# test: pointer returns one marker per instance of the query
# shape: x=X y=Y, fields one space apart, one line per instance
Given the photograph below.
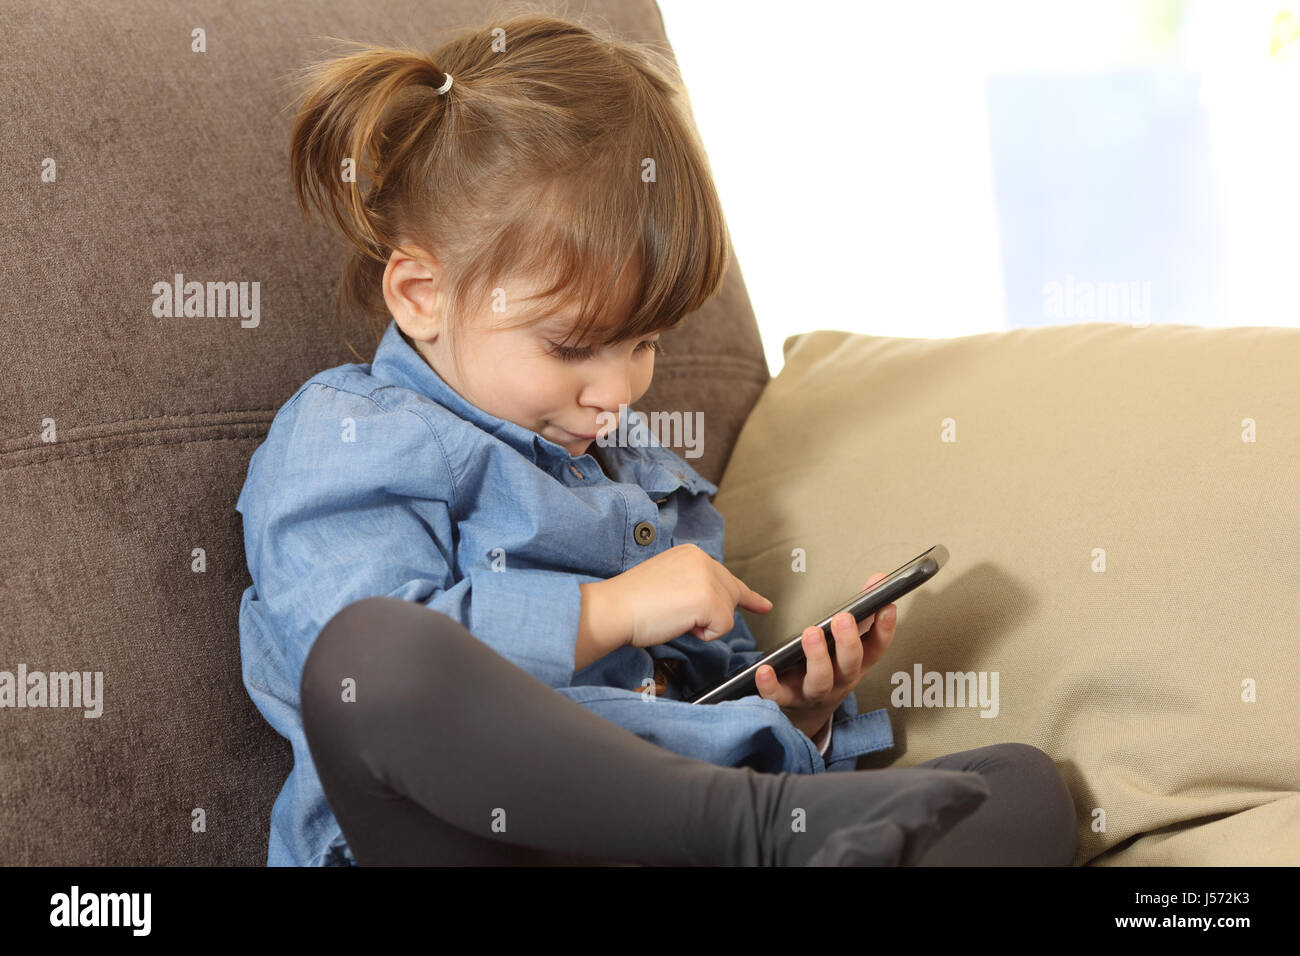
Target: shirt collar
x=650 y=465
x=398 y=363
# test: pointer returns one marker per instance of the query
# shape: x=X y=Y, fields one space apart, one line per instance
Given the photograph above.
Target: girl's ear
x=413 y=293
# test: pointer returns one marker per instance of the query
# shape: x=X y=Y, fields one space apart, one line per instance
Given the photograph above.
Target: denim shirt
x=380 y=479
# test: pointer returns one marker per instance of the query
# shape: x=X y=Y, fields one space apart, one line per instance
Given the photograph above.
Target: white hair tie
x=446 y=84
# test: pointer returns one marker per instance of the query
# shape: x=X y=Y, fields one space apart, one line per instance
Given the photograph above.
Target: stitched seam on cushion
x=56 y=459
x=119 y=434
x=180 y=414
x=32 y=443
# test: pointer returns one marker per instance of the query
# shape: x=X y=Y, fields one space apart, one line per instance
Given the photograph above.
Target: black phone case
x=790 y=655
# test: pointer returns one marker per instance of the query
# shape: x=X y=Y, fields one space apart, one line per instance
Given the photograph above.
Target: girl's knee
x=365 y=619
x=336 y=643
x=1050 y=796
x=1026 y=756
x=381 y=642
x=1038 y=770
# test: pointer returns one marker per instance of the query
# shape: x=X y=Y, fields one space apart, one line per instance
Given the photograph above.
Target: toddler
x=477 y=620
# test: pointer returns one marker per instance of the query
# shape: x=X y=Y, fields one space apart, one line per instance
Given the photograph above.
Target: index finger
x=748 y=598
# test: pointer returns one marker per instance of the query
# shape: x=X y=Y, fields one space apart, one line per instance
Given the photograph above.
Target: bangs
x=622 y=258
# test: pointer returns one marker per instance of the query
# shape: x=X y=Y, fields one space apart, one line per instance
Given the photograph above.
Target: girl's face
x=517 y=375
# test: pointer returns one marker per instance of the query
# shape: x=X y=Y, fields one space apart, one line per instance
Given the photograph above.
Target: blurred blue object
x=1107 y=204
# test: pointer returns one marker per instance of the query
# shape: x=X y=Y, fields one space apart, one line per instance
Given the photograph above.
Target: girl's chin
x=568 y=438
x=574 y=446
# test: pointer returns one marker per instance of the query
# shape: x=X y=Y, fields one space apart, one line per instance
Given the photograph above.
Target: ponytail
x=340 y=120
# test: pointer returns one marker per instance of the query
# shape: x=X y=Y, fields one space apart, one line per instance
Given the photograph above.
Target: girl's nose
x=612 y=384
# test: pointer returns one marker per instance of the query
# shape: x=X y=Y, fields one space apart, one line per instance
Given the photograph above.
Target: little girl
x=476 y=620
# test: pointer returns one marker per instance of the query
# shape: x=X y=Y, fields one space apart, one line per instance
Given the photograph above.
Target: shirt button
x=644 y=532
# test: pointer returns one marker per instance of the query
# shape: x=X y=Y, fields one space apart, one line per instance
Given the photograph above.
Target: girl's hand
x=680 y=591
x=809 y=697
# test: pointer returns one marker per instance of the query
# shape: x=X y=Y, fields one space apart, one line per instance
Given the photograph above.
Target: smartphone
x=790 y=655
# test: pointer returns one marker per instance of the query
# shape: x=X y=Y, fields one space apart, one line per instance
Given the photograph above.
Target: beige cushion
x=1071 y=442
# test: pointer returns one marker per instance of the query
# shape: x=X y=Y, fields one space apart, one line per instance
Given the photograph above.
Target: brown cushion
x=168 y=162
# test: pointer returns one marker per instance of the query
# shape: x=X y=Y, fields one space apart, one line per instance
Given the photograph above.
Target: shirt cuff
x=825 y=743
x=530 y=617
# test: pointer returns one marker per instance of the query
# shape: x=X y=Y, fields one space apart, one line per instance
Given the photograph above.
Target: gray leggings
x=455 y=740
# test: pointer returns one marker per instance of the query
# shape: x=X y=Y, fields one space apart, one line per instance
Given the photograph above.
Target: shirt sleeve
x=330 y=520
x=530 y=617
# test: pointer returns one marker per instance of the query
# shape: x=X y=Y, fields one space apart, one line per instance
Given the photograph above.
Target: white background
x=850 y=142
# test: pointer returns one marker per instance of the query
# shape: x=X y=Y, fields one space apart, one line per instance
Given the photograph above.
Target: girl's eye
x=569 y=354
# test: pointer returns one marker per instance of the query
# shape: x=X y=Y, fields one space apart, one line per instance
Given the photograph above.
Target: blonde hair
x=530 y=164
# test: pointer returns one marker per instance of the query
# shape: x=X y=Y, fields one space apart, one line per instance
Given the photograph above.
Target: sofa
x=148 y=145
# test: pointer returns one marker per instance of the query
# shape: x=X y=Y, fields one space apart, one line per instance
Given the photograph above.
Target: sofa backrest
x=126 y=437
